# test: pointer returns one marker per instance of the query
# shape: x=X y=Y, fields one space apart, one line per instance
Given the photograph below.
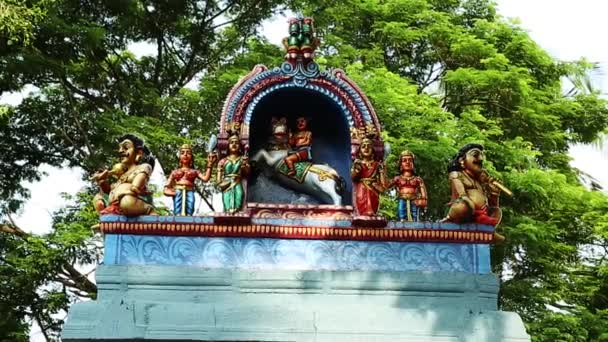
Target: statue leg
x=289 y=161
x=401 y=214
x=99 y=202
x=178 y=202
x=335 y=196
x=460 y=212
x=190 y=203
x=133 y=206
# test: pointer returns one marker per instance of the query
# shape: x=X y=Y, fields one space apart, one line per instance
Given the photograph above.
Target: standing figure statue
x=301 y=143
x=128 y=195
x=474 y=193
x=230 y=173
x=369 y=179
x=411 y=189
x=180 y=184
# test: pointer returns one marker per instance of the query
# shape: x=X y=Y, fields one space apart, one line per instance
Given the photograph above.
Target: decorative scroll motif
x=300 y=72
x=332 y=83
x=296 y=254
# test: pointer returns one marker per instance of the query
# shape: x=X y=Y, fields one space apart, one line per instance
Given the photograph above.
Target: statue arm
x=307 y=138
x=211 y=160
x=384 y=183
x=457 y=185
x=355 y=170
x=169 y=190
x=492 y=191
x=422 y=198
x=245 y=167
x=220 y=171
x=101 y=178
x=138 y=185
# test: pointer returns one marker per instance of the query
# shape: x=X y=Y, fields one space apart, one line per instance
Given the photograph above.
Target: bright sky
x=567 y=29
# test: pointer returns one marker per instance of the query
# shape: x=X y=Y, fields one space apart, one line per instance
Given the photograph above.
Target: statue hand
x=211 y=159
x=101 y=175
x=494 y=190
x=421 y=202
x=169 y=191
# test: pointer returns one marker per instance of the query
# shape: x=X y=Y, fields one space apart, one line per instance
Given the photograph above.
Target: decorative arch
x=333 y=84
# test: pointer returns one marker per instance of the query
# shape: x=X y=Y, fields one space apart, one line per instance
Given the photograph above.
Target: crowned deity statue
x=474 y=193
x=411 y=191
x=181 y=182
x=230 y=174
x=369 y=178
x=128 y=194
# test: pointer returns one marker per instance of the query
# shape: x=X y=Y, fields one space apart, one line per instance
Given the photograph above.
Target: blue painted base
x=162 y=303
x=293 y=254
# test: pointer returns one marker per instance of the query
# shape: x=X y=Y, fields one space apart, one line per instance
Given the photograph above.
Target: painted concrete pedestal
x=163 y=303
x=211 y=288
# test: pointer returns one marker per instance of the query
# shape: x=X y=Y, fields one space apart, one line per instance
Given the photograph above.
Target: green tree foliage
x=445 y=73
x=91 y=89
x=440 y=73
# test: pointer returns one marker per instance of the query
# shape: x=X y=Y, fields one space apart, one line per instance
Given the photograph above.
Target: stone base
x=161 y=303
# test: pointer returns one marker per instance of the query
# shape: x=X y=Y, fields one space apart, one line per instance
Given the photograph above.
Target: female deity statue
x=231 y=171
x=180 y=184
x=128 y=195
x=369 y=179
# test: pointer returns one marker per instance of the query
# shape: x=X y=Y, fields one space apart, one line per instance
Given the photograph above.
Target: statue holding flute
x=475 y=194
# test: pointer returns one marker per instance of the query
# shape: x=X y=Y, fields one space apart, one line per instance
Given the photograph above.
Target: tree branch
x=220 y=12
x=74 y=115
x=159 y=61
x=99 y=101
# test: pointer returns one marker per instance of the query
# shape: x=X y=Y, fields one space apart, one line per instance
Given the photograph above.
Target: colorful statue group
x=474 y=193
x=369 y=181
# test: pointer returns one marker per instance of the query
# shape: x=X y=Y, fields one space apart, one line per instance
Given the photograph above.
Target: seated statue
x=128 y=195
x=180 y=184
x=303 y=176
x=474 y=193
x=300 y=143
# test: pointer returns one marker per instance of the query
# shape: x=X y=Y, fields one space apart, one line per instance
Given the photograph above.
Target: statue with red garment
x=181 y=182
x=369 y=178
x=300 y=142
x=412 y=195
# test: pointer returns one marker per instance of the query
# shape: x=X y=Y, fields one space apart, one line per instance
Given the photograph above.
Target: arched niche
x=331 y=139
x=338 y=108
